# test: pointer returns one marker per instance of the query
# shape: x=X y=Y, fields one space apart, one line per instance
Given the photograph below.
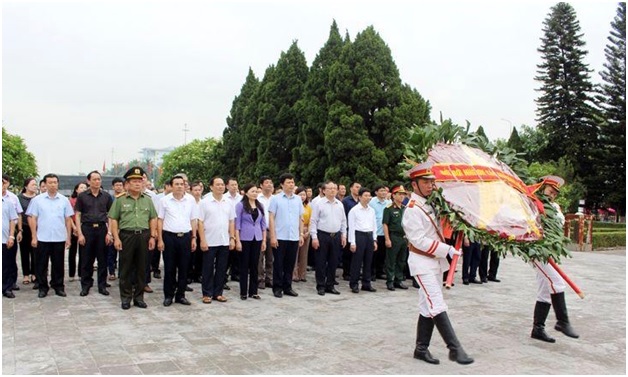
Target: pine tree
x=565 y=108
x=612 y=99
x=514 y=141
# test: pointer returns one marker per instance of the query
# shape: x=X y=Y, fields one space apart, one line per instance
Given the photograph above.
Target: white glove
x=453 y=251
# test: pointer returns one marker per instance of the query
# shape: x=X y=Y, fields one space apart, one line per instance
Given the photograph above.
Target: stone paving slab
x=366 y=333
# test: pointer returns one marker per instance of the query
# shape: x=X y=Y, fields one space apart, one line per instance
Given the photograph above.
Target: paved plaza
x=365 y=333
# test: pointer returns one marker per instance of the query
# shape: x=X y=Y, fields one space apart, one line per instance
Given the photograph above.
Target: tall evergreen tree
x=565 y=108
x=233 y=139
x=310 y=159
x=514 y=141
x=612 y=100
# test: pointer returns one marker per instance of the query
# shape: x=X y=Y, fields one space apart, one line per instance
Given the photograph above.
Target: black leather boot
x=424 y=329
x=560 y=308
x=456 y=353
x=540 y=315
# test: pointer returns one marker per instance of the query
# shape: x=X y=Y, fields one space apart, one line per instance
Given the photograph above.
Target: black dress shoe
x=188 y=288
x=15 y=287
x=355 y=290
x=336 y=282
x=60 y=292
x=42 y=294
x=243 y=297
x=415 y=284
x=400 y=285
x=290 y=292
x=182 y=301
x=369 y=289
x=140 y=304
x=320 y=291
x=168 y=301
x=226 y=287
x=465 y=281
x=84 y=292
x=278 y=294
x=8 y=294
x=126 y=305
x=475 y=281
x=103 y=291
x=390 y=286
x=496 y=280
x=332 y=290
x=107 y=285
x=157 y=275
x=35 y=286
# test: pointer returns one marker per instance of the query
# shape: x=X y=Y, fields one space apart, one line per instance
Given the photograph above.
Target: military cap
x=398 y=188
x=422 y=170
x=554 y=181
x=134 y=172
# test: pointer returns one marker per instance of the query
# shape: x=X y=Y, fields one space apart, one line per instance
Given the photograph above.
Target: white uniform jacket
x=423 y=232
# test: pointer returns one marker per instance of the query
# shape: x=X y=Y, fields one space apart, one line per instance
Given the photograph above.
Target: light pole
x=509 y=125
x=185 y=133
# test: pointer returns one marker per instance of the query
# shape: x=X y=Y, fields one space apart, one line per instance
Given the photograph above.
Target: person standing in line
x=250 y=231
x=363 y=241
x=286 y=235
x=91 y=216
x=470 y=262
x=9 y=265
x=342 y=192
x=27 y=253
x=349 y=202
x=195 y=272
x=300 y=267
x=395 y=240
x=265 y=265
x=234 y=197
x=50 y=220
x=379 y=203
x=75 y=248
x=176 y=231
x=148 y=192
x=216 y=228
x=328 y=230
x=427 y=262
x=155 y=258
x=551 y=286
x=117 y=185
x=13 y=199
x=133 y=222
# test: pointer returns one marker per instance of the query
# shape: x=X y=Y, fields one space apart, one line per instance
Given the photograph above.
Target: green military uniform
x=397 y=255
x=133 y=216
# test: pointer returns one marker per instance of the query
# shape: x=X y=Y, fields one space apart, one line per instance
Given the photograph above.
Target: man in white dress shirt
x=363 y=241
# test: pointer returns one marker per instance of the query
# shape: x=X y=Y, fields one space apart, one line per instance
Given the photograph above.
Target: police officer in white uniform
x=427 y=262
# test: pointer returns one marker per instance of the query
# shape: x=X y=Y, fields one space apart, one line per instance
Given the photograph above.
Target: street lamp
x=509 y=125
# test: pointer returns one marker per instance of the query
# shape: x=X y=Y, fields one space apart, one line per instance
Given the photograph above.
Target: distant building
x=156 y=155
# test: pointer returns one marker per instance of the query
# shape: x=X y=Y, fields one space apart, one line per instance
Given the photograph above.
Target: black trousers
x=249 y=261
x=362 y=259
x=55 y=253
x=195 y=270
x=327 y=259
x=284 y=258
x=234 y=264
x=214 y=270
x=470 y=260
x=176 y=261
x=347 y=256
x=133 y=265
x=94 y=249
x=112 y=259
x=9 y=268
x=379 y=257
x=75 y=249
x=155 y=258
x=484 y=263
x=27 y=252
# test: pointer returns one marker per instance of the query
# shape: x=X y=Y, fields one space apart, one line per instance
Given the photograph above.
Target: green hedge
x=608 y=239
x=606 y=230
x=605 y=225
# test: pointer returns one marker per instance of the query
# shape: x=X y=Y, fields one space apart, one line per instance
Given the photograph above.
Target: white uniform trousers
x=431 y=301
x=548 y=280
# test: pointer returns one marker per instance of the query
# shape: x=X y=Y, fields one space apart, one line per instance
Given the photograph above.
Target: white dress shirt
x=328 y=216
x=266 y=204
x=177 y=214
x=361 y=219
x=215 y=215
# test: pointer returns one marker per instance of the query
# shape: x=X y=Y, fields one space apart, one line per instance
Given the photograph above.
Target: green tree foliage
x=514 y=141
x=310 y=159
x=612 y=99
x=238 y=140
x=533 y=142
x=17 y=162
x=564 y=108
x=370 y=114
x=571 y=192
x=199 y=159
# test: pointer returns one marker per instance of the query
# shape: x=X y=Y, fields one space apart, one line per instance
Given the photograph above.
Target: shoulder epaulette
x=411 y=203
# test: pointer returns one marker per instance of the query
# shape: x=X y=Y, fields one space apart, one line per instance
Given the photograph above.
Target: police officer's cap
x=134 y=172
x=422 y=170
x=554 y=181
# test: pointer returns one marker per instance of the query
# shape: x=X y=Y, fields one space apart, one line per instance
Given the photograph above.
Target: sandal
x=256 y=297
x=26 y=280
x=207 y=300
x=220 y=299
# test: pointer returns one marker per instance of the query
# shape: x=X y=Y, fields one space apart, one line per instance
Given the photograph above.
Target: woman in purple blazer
x=250 y=227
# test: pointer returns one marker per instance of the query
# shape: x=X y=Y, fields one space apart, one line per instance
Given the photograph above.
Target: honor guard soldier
x=427 y=261
x=134 y=230
x=551 y=286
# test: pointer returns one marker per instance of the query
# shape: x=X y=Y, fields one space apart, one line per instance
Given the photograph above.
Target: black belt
x=364 y=233
x=94 y=225
x=332 y=235
x=135 y=231
x=180 y=234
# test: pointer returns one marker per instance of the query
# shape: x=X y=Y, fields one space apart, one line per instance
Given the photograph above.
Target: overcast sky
x=83 y=78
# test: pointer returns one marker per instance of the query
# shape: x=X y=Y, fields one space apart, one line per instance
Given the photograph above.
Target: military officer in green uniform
x=133 y=224
x=396 y=244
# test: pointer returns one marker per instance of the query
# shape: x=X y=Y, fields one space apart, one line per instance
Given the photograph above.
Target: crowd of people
x=261 y=236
